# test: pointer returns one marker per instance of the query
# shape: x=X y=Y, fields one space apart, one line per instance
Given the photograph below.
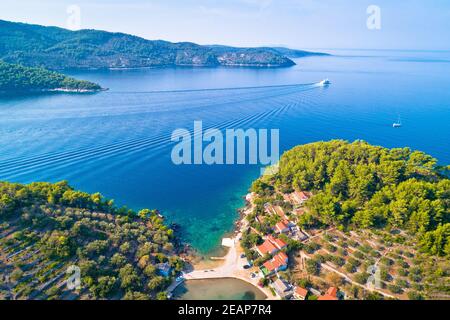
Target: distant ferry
x=324 y=83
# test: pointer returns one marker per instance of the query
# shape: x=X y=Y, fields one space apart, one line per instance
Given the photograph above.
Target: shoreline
x=15 y=93
x=231 y=265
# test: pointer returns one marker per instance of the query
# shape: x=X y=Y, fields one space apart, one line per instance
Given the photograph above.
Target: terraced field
x=49 y=232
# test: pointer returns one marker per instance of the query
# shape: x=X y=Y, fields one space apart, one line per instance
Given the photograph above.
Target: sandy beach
x=231 y=265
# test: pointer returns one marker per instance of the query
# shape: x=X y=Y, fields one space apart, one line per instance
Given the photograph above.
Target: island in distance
x=57 y=49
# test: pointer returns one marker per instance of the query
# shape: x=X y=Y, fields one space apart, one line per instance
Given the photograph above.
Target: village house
x=300 y=293
x=299 y=197
x=275 y=210
x=260 y=219
x=280 y=244
x=282 y=289
x=280 y=212
x=271 y=246
x=331 y=294
x=282 y=227
x=278 y=263
x=267 y=248
x=286 y=197
x=299 y=212
x=268 y=208
x=298 y=234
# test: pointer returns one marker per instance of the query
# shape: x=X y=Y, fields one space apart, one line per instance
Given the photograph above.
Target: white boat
x=324 y=83
x=397 y=124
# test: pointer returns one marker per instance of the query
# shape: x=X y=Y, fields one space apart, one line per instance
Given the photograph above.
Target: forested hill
x=47 y=228
x=56 y=48
x=17 y=78
x=360 y=186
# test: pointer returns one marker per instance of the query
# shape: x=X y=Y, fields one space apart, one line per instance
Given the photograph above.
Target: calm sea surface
x=218 y=289
x=118 y=142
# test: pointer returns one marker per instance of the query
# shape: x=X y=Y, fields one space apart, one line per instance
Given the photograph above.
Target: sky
x=333 y=24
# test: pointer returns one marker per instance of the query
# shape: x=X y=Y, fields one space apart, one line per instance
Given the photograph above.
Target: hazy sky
x=405 y=24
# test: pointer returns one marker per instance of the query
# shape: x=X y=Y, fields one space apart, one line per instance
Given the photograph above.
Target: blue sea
x=118 y=142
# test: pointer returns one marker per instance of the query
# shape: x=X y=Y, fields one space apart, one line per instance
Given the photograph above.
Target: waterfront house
x=300 y=293
x=278 y=263
x=282 y=289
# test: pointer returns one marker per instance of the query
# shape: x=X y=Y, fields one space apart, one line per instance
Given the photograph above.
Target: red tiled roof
x=300 y=211
x=270 y=265
x=327 y=297
x=279 y=211
x=279 y=260
x=302 y=292
x=283 y=256
x=267 y=247
x=332 y=291
x=277 y=242
x=269 y=208
x=281 y=226
x=331 y=294
x=303 y=195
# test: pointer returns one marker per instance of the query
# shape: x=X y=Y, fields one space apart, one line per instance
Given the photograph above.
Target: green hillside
x=359 y=186
x=46 y=228
x=17 y=78
x=56 y=48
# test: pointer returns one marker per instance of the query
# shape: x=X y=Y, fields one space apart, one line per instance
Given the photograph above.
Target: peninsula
x=342 y=220
x=16 y=79
x=350 y=220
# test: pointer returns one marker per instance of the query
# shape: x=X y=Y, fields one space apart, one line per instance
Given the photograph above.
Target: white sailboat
x=397 y=124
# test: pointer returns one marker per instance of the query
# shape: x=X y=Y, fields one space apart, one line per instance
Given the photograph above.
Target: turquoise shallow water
x=118 y=142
